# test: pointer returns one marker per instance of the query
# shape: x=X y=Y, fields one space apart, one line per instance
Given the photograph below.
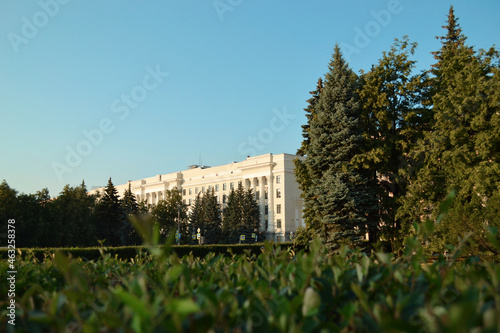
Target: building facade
x=271 y=177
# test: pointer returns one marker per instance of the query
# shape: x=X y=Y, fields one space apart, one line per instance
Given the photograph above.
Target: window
x=224 y=187
x=278 y=209
x=266 y=195
x=184 y=201
x=231 y=186
x=217 y=188
x=190 y=201
x=278 y=223
x=190 y=191
x=278 y=179
x=203 y=189
x=210 y=188
x=184 y=192
x=257 y=195
x=257 y=182
x=266 y=225
x=278 y=193
x=218 y=199
x=266 y=209
x=224 y=198
x=195 y=190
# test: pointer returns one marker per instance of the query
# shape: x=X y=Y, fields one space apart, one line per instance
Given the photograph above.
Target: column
x=262 y=201
x=270 y=188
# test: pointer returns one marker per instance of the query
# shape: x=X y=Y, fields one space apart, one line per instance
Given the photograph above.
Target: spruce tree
x=339 y=196
x=110 y=216
x=128 y=235
x=461 y=151
x=9 y=205
x=241 y=215
x=301 y=172
x=311 y=114
x=129 y=202
x=212 y=218
x=250 y=213
x=33 y=223
x=196 y=213
x=231 y=218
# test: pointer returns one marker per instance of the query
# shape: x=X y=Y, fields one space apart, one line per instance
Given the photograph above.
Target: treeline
x=77 y=219
x=383 y=149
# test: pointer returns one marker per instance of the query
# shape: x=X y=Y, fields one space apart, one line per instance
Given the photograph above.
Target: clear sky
x=131 y=89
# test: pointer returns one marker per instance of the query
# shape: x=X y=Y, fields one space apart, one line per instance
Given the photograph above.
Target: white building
x=270 y=176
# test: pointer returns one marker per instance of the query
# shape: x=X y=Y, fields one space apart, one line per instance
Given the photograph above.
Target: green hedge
x=128 y=252
x=276 y=291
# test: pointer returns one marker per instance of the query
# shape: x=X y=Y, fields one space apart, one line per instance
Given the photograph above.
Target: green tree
x=196 y=213
x=170 y=212
x=34 y=221
x=110 y=216
x=129 y=202
x=339 y=195
x=250 y=221
x=8 y=206
x=74 y=220
x=231 y=216
x=461 y=150
x=241 y=215
x=393 y=119
x=211 y=218
x=301 y=171
x=311 y=115
x=128 y=235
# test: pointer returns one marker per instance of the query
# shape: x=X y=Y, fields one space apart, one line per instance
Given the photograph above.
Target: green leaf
x=359 y=272
x=184 y=307
x=62 y=262
x=134 y=303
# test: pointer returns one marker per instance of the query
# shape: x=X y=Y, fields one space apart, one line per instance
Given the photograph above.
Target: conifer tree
x=339 y=195
x=110 y=216
x=230 y=218
x=128 y=234
x=461 y=151
x=196 y=213
x=311 y=114
x=212 y=218
x=301 y=172
x=393 y=119
x=9 y=206
x=250 y=213
x=129 y=202
x=241 y=215
x=34 y=223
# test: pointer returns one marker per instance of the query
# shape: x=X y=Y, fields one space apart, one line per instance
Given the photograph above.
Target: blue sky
x=131 y=89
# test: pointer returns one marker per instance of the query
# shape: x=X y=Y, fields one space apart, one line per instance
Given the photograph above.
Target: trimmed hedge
x=128 y=252
x=276 y=291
